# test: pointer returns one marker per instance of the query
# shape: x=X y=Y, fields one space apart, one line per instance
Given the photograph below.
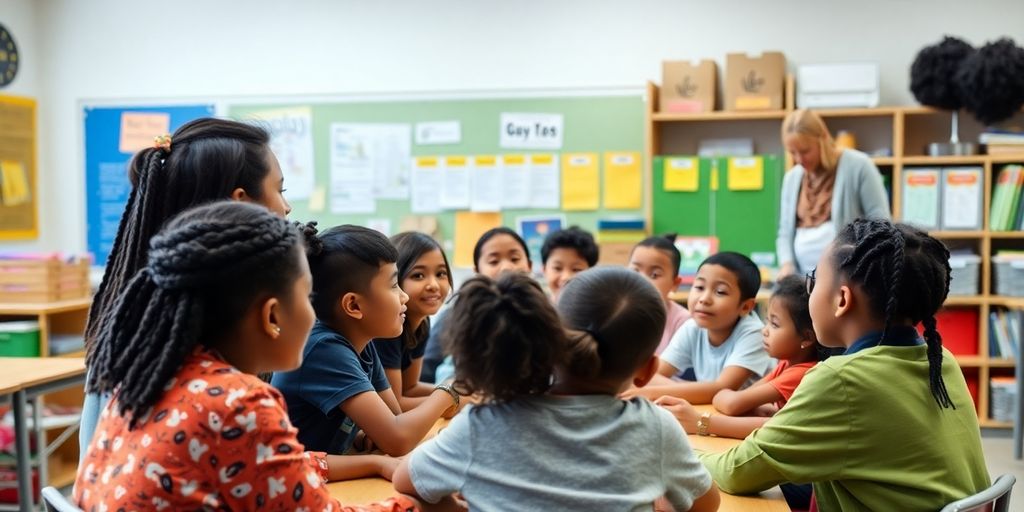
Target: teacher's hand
x=787 y=269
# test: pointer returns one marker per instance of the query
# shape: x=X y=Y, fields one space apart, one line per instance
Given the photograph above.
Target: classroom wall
x=107 y=49
x=20 y=18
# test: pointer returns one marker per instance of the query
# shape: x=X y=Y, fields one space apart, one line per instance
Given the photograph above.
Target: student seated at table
x=721 y=342
x=889 y=425
x=224 y=295
x=551 y=432
x=340 y=395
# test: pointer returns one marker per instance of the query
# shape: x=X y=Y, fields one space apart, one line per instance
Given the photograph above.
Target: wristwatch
x=703 y=424
x=447 y=388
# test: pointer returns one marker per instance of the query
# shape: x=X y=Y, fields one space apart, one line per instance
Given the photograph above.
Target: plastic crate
x=19 y=339
x=965 y=274
x=1009 y=275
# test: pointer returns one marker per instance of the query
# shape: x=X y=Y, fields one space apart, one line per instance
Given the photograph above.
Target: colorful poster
x=534 y=229
x=291 y=140
x=352 y=176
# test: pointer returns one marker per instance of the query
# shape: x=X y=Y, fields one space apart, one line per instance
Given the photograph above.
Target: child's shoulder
x=749 y=326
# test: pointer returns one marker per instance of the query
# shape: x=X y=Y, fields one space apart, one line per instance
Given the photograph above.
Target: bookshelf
x=898 y=136
x=56 y=318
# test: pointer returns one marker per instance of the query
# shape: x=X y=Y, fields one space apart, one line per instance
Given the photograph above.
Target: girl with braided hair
x=224 y=295
x=550 y=432
x=205 y=160
x=890 y=424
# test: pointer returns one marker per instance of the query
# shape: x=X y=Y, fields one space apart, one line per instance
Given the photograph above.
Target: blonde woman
x=826 y=189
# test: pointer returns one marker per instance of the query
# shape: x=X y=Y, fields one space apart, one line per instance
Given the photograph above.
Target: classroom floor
x=998 y=446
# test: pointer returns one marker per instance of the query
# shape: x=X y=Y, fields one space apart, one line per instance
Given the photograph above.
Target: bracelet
x=447 y=388
x=704 y=424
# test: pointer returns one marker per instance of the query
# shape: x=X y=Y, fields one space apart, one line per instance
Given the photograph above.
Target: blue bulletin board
x=112 y=135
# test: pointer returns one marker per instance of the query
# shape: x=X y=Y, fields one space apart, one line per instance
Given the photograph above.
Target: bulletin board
x=592 y=125
x=19 y=194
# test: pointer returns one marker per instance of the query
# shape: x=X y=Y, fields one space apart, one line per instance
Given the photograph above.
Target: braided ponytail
x=206 y=267
x=905 y=274
x=210 y=159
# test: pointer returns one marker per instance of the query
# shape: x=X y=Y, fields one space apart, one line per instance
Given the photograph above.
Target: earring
x=277 y=329
x=802 y=345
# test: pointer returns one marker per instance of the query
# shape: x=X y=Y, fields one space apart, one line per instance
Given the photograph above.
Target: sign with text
x=531 y=131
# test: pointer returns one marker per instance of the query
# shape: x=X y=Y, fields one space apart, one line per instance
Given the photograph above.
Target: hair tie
x=162 y=142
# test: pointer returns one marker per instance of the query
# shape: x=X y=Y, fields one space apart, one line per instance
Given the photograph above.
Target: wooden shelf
x=857 y=112
x=1017 y=158
x=990 y=423
x=957 y=235
x=944 y=160
x=1006 y=235
x=77 y=353
x=1002 y=362
x=970 y=361
x=44 y=308
x=906 y=130
x=1010 y=302
x=719 y=115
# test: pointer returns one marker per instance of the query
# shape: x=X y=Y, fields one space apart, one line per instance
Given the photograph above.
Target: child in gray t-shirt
x=551 y=432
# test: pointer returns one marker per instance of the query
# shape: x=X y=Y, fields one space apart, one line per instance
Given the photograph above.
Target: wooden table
x=25 y=378
x=369 y=490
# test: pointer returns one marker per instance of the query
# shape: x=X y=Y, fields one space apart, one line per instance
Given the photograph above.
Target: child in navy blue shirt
x=341 y=388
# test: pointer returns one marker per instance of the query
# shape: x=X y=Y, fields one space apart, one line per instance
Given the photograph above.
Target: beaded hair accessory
x=162 y=142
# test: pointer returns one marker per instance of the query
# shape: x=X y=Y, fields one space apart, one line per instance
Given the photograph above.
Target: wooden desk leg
x=26 y=497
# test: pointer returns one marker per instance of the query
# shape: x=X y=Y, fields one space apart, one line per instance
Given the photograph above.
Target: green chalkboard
x=591 y=124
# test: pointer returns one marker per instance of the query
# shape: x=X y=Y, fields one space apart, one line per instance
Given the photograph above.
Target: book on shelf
x=1006 y=198
x=921 y=197
x=962 y=198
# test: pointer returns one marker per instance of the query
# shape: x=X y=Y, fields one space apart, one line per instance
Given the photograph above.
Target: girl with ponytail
x=890 y=424
x=550 y=432
x=224 y=295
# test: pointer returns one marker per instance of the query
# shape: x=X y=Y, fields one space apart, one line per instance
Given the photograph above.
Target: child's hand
x=662 y=505
x=362 y=443
x=387 y=466
x=682 y=410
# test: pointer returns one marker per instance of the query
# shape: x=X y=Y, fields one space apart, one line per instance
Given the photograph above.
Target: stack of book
x=1004 y=334
x=1007 y=212
x=999 y=142
x=1004 y=398
x=616 y=238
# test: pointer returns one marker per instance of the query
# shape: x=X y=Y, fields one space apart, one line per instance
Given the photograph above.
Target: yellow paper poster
x=623 y=181
x=139 y=128
x=13 y=184
x=468 y=228
x=745 y=173
x=682 y=175
x=580 y=183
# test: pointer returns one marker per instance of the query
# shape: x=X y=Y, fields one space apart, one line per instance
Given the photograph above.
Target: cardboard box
x=837 y=85
x=755 y=83
x=688 y=88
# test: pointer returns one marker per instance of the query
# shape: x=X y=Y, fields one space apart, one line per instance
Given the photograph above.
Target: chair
x=993 y=499
x=56 y=502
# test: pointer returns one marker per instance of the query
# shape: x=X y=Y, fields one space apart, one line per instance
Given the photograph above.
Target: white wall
x=209 y=49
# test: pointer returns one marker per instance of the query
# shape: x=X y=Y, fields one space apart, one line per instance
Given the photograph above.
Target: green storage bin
x=19 y=339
